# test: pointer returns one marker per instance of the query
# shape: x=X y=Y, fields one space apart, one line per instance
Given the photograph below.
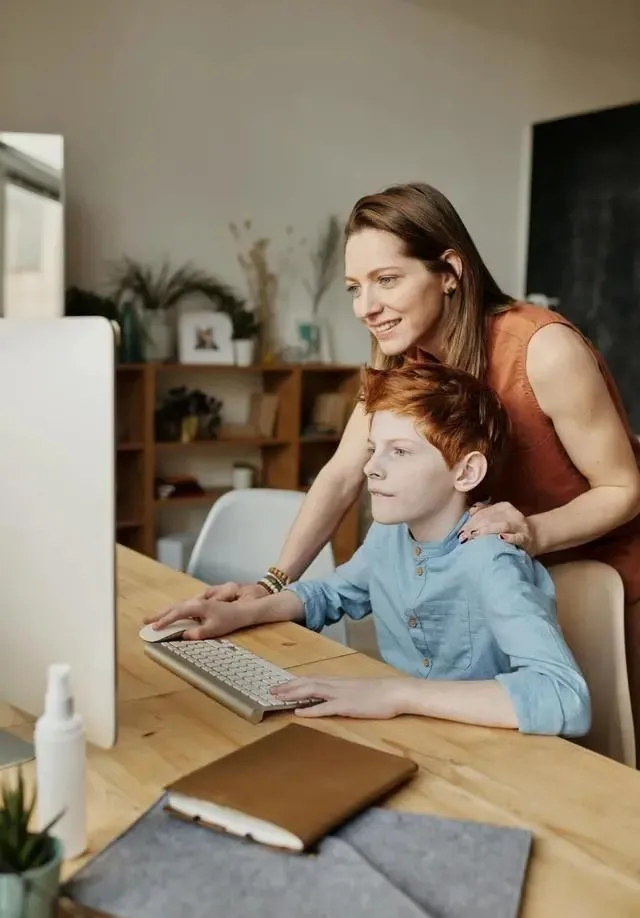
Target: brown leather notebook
x=289 y=788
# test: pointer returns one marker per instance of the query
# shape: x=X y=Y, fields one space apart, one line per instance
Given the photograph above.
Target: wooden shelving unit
x=289 y=459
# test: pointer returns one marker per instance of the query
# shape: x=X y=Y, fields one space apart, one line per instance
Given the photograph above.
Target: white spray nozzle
x=59 y=698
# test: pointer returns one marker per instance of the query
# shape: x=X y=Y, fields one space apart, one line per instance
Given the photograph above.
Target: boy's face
x=407 y=477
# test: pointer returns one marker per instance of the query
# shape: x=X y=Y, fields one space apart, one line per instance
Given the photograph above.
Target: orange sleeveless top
x=539 y=475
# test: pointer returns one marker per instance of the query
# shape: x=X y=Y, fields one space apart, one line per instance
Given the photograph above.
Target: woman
x=571 y=488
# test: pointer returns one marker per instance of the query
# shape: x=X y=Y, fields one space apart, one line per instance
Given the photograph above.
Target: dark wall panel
x=584 y=233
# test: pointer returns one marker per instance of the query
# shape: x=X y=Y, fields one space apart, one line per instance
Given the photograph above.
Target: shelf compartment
x=210 y=496
x=130 y=392
x=129 y=447
x=221 y=368
x=177 y=445
x=129 y=488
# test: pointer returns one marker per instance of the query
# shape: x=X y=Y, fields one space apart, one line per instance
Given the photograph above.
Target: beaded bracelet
x=268 y=586
x=274 y=580
x=284 y=579
x=271 y=583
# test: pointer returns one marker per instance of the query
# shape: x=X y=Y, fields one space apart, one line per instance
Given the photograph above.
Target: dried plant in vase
x=314 y=332
x=262 y=284
x=263 y=280
x=324 y=262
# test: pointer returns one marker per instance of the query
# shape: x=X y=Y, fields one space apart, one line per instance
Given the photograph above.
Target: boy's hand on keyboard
x=366 y=698
x=211 y=618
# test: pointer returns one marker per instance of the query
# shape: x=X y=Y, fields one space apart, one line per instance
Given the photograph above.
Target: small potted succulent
x=30 y=861
x=245 y=333
x=246 y=328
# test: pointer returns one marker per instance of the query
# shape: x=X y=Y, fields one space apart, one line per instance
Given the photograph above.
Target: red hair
x=454 y=410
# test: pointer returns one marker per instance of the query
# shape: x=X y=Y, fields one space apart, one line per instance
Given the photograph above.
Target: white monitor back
x=57 y=514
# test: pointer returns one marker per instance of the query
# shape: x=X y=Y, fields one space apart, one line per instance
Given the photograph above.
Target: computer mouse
x=170 y=633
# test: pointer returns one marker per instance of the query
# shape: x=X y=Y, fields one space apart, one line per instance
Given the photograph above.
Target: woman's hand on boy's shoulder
x=501 y=519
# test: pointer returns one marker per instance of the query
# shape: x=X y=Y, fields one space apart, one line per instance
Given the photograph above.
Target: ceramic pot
x=243 y=349
x=34 y=893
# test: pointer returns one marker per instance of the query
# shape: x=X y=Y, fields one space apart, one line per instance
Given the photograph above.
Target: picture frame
x=312 y=341
x=205 y=337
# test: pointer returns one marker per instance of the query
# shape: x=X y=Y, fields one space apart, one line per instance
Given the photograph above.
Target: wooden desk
x=583 y=809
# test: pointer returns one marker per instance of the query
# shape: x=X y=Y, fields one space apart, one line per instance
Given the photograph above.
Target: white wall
x=180 y=115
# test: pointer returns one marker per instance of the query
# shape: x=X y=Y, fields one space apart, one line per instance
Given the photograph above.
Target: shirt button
x=419 y=571
x=413 y=621
x=417 y=550
x=426 y=662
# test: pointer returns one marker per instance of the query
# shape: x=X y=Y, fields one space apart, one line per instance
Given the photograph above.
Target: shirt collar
x=444 y=546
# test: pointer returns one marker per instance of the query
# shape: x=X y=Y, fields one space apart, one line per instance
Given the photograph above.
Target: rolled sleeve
x=346 y=591
x=545 y=685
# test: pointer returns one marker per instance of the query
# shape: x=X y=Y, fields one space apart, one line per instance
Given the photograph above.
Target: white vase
x=158 y=345
x=243 y=349
x=242 y=477
x=326 y=351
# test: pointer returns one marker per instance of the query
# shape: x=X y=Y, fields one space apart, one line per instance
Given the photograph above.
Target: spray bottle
x=59 y=743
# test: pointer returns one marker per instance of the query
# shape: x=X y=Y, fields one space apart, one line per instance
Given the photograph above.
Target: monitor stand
x=13 y=750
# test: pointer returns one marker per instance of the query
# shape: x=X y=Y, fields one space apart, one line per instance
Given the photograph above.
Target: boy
x=471 y=624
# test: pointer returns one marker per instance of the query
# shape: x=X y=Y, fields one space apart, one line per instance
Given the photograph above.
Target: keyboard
x=233 y=676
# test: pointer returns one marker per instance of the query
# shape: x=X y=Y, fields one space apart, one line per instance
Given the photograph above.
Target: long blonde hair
x=428 y=225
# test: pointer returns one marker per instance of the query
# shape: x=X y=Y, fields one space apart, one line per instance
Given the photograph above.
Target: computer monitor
x=57 y=517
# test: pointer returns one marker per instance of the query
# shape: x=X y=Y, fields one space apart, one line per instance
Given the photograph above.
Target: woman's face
x=398 y=299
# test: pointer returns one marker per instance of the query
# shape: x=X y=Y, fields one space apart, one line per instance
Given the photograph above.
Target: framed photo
x=205 y=337
x=312 y=341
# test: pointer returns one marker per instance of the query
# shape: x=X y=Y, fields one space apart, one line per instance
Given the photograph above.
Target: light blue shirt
x=444 y=610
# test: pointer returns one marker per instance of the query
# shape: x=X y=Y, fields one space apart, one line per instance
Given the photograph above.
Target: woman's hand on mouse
x=211 y=618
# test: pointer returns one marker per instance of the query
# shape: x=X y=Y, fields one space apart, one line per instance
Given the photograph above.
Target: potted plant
x=80 y=302
x=128 y=329
x=29 y=861
x=154 y=295
x=186 y=415
x=245 y=331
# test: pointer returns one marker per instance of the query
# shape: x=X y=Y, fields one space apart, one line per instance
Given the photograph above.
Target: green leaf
x=31 y=809
x=21 y=849
x=35 y=852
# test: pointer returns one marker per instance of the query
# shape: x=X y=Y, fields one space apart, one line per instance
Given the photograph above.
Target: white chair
x=590 y=599
x=242 y=536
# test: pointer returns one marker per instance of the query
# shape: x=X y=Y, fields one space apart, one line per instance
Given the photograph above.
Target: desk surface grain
x=583 y=809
